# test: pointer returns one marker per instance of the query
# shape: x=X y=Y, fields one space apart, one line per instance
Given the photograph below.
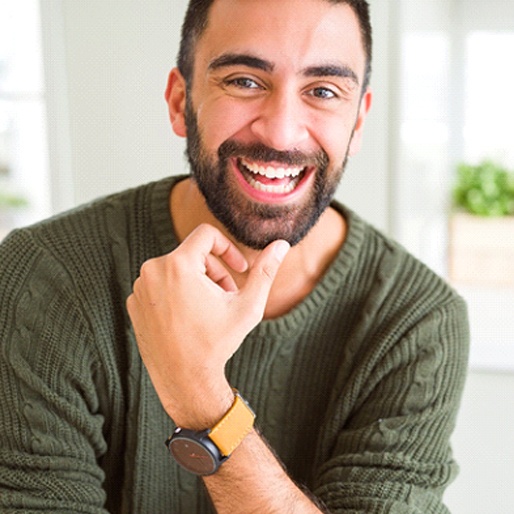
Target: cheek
x=333 y=135
x=223 y=120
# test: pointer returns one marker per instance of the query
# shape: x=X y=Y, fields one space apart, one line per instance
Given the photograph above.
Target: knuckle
x=176 y=262
x=269 y=271
x=146 y=270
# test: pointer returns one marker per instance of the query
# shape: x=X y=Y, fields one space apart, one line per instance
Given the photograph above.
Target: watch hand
x=195 y=456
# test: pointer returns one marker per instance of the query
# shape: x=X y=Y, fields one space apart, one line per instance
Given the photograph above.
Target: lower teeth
x=269 y=188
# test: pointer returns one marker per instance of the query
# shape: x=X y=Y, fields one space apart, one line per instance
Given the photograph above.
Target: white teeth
x=271 y=172
x=268 y=188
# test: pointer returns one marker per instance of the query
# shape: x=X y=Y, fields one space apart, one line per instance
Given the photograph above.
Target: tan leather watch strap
x=233 y=427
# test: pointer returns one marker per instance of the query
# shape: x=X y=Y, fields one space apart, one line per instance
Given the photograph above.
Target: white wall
x=107 y=62
x=484 y=447
x=106 y=77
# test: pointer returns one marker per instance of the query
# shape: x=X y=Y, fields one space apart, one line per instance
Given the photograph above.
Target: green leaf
x=486 y=189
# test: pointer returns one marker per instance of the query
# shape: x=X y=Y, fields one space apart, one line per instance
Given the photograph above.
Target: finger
x=207 y=240
x=219 y=274
x=263 y=273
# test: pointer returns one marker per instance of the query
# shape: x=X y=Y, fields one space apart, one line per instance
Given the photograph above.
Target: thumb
x=263 y=273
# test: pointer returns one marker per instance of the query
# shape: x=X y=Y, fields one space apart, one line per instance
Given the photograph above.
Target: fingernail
x=281 y=248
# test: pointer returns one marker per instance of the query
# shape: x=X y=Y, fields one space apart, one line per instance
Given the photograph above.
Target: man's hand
x=189 y=318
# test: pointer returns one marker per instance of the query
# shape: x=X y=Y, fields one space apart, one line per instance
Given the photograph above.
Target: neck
x=304 y=265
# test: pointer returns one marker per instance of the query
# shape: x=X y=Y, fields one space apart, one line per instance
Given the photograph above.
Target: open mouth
x=270 y=179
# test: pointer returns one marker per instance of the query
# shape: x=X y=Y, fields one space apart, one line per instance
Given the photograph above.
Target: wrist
x=201 y=409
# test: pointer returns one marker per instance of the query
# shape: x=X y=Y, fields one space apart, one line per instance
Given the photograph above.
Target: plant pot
x=481 y=250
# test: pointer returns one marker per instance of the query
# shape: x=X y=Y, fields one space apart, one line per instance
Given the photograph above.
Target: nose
x=281 y=122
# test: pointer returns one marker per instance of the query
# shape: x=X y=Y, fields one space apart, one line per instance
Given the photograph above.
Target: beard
x=251 y=223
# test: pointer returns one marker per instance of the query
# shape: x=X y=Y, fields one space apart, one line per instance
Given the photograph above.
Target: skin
x=285 y=106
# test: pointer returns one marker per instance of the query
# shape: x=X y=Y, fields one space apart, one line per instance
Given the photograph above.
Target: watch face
x=193 y=456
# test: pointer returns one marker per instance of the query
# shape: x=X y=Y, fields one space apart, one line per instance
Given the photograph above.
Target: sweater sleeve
x=51 y=425
x=392 y=452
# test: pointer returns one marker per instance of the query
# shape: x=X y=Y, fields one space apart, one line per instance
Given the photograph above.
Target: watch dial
x=192 y=456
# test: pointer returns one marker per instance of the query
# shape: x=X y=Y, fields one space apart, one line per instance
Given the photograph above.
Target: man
x=349 y=354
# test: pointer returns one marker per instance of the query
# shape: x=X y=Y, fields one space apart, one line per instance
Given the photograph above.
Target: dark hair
x=197 y=17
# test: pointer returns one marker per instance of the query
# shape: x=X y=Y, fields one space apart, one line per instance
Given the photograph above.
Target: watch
x=202 y=452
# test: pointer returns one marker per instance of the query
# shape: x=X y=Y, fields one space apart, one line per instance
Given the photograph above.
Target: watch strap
x=234 y=426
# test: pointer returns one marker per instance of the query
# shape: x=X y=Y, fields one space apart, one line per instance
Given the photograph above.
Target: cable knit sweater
x=356 y=388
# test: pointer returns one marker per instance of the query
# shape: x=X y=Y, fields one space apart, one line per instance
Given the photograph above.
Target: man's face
x=272 y=113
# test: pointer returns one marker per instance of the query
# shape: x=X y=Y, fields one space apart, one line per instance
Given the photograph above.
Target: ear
x=175 y=96
x=365 y=105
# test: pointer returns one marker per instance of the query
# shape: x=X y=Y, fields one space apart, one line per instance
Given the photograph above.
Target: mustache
x=263 y=153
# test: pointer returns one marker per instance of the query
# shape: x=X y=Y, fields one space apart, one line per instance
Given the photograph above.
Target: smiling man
x=298 y=360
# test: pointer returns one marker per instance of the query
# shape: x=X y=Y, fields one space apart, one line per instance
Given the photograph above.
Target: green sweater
x=356 y=388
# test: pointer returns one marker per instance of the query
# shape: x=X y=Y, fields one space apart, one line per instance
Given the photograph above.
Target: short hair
x=197 y=17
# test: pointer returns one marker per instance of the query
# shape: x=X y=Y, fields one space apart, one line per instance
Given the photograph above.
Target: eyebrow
x=252 y=61
x=332 y=70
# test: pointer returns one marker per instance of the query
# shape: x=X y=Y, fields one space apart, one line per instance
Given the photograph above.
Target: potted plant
x=482 y=225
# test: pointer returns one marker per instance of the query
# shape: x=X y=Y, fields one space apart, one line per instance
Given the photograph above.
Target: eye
x=243 y=83
x=323 y=93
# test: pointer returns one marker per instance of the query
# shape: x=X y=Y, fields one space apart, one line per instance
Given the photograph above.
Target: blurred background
x=82 y=115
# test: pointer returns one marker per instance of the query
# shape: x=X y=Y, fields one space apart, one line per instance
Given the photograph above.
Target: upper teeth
x=270 y=171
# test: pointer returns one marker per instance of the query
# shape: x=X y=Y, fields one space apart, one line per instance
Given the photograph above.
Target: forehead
x=293 y=34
